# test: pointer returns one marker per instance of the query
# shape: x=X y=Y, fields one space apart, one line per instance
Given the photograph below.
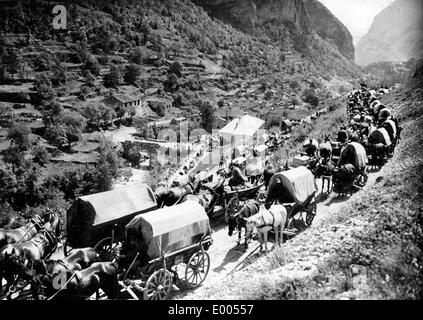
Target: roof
x=171 y=228
x=119 y=98
x=158 y=99
x=299 y=182
x=245 y=126
x=118 y=203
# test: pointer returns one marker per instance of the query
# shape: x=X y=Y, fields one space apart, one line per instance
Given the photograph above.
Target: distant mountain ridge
x=304 y=16
x=395 y=35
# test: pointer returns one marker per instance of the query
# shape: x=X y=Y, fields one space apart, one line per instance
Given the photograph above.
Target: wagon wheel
x=106 y=250
x=311 y=213
x=158 y=285
x=231 y=207
x=197 y=269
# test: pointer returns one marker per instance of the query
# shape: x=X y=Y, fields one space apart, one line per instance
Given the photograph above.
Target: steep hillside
x=281 y=20
x=395 y=35
x=329 y=28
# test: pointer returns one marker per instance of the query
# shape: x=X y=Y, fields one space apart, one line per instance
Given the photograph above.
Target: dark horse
x=237 y=220
x=206 y=196
x=79 y=284
x=14 y=258
x=170 y=196
x=21 y=234
x=49 y=272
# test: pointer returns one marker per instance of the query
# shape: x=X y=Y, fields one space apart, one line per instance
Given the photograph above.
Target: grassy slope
x=371 y=248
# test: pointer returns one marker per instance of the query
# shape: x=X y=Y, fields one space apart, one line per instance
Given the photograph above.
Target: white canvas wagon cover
x=355 y=154
x=380 y=135
x=171 y=228
x=299 y=182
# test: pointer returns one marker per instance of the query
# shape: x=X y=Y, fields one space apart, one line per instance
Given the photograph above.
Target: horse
x=207 y=197
x=78 y=260
x=170 y=196
x=268 y=173
x=80 y=284
x=14 y=258
x=237 y=221
x=265 y=220
x=21 y=234
x=325 y=166
x=343 y=178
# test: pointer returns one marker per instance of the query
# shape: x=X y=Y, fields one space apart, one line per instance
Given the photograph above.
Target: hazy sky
x=356 y=15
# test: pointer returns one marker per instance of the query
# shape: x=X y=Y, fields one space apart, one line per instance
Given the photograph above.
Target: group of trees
x=25 y=187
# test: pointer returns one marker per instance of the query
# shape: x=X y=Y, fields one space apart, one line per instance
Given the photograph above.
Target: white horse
x=266 y=220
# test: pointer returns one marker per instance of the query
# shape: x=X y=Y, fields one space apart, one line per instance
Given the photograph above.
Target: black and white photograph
x=211 y=150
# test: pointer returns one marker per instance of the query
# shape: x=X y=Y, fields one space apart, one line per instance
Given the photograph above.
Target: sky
x=356 y=15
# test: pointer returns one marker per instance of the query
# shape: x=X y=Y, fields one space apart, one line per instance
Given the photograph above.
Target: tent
x=242 y=130
x=353 y=153
x=170 y=229
x=92 y=218
x=380 y=135
x=297 y=185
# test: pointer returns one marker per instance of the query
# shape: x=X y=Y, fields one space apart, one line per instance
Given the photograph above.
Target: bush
x=132 y=73
x=311 y=98
x=136 y=56
x=92 y=65
x=41 y=156
x=113 y=78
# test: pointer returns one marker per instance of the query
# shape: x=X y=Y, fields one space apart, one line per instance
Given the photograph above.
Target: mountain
x=395 y=35
x=286 y=16
x=329 y=28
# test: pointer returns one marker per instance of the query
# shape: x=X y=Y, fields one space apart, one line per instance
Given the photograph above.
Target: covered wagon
x=296 y=189
x=94 y=217
x=351 y=168
x=165 y=239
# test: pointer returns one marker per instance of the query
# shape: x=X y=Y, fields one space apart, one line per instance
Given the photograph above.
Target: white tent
x=242 y=130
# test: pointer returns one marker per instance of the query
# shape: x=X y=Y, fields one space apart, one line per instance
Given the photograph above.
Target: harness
x=264 y=222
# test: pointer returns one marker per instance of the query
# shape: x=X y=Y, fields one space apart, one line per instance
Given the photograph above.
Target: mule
x=275 y=218
x=237 y=221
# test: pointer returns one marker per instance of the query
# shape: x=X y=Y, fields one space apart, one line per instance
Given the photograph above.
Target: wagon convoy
x=136 y=243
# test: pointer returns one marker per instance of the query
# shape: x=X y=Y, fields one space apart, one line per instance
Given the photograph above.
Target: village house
x=122 y=101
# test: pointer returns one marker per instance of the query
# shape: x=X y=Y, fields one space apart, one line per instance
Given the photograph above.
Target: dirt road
x=227 y=257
